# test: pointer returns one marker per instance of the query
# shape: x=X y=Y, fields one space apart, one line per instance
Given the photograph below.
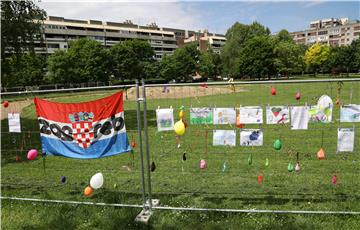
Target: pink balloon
x=32 y=154
x=202 y=164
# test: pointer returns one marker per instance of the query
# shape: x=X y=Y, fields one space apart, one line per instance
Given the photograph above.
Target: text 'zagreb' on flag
x=84 y=130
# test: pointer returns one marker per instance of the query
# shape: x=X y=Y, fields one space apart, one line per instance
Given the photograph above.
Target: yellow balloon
x=179 y=127
x=181 y=114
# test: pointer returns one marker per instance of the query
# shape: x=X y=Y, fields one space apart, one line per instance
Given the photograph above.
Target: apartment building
x=206 y=40
x=332 y=31
x=59 y=32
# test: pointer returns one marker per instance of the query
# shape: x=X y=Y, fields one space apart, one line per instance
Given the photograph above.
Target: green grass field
x=183 y=184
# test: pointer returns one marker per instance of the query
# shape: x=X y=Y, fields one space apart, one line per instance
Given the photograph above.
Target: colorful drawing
x=223 y=116
x=201 y=116
x=251 y=115
x=251 y=137
x=350 y=113
x=299 y=117
x=322 y=112
x=224 y=137
x=277 y=115
x=165 y=119
x=345 y=141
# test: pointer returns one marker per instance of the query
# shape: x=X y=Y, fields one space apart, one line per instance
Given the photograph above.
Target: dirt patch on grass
x=172 y=92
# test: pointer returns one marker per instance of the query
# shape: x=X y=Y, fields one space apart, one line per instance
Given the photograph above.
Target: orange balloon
x=321 y=154
x=88 y=191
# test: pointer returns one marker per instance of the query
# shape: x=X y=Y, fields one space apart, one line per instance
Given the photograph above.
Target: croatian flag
x=85 y=130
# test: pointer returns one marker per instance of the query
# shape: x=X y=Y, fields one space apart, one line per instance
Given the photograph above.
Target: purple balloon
x=63 y=179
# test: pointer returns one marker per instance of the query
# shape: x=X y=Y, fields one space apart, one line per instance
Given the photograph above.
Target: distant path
x=151 y=93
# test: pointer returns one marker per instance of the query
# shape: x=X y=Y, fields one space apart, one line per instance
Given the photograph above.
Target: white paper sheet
x=224 y=137
x=345 y=141
x=251 y=137
x=165 y=119
x=350 y=113
x=299 y=117
x=277 y=115
x=251 y=115
x=224 y=116
x=14 y=122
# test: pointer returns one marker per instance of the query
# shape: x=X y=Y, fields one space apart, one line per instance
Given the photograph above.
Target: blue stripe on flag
x=102 y=148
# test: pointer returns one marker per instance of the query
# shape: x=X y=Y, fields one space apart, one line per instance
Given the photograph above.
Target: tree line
x=249 y=52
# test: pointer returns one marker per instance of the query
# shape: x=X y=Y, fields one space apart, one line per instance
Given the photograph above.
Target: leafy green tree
x=283 y=36
x=24 y=70
x=209 y=64
x=288 y=57
x=340 y=59
x=85 y=61
x=257 y=58
x=20 y=29
x=131 y=58
x=316 y=57
x=236 y=38
x=182 y=64
x=20 y=26
x=355 y=56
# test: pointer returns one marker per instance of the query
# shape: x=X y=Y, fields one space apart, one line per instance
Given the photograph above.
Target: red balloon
x=334 y=179
x=298 y=96
x=133 y=144
x=6 y=104
x=273 y=91
x=260 y=179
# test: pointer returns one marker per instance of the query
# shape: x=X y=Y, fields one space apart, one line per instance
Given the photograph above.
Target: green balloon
x=277 y=144
x=290 y=167
x=250 y=159
x=267 y=162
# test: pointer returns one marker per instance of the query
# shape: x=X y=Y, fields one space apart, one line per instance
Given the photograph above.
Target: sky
x=216 y=16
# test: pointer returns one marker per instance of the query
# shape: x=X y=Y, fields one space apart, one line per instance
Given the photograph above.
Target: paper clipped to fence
x=14 y=122
x=224 y=137
x=251 y=137
x=224 y=116
x=251 y=115
x=299 y=117
x=201 y=116
x=350 y=113
x=346 y=137
x=277 y=115
x=165 y=119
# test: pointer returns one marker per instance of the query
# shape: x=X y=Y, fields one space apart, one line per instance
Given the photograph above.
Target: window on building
x=322 y=32
x=53 y=46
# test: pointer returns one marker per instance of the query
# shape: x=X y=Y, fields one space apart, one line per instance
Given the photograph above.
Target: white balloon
x=97 y=181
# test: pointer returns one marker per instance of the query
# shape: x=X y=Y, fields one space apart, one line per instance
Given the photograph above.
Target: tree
x=283 y=35
x=355 y=53
x=85 y=61
x=20 y=29
x=182 y=64
x=340 y=59
x=257 y=58
x=24 y=70
x=209 y=64
x=236 y=38
x=316 y=56
x=288 y=57
x=20 y=26
x=131 y=58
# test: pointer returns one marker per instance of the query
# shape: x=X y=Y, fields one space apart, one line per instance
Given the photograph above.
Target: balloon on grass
x=202 y=164
x=63 y=179
x=152 y=167
x=273 y=91
x=290 y=167
x=267 y=162
x=260 y=179
x=6 y=104
x=334 y=179
x=179 y=127
x=298 y=95
x=277 y=144
x=32 y=154
x=321 y=154
x=250 y=159
x=97 y=181
x=17 y=158
x=88 y=191
x=184 y=157
x=297 y=167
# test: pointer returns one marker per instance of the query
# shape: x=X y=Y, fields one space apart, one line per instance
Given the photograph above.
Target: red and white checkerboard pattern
x=83 y=133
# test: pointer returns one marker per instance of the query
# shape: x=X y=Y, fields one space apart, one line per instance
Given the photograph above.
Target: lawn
x=183 y=184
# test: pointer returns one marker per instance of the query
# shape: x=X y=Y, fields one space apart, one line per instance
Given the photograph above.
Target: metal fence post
x=138 y=100
x=146 y=144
